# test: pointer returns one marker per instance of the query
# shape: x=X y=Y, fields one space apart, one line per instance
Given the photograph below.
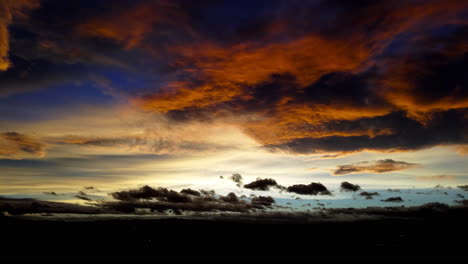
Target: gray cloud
x=369 y=195
x=310 y=189
x=349 y=187
x=396 y=199
x=237 y=178
x=83 y=197
x=162 y=199
x=261 y=184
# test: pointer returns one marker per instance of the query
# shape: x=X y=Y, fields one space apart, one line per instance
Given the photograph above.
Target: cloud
x=463 y=187
x=17 y=145
x=23 y=206
x=190 y=192
x=393 y=199
x=369 y=195
x=310 y=189
x=325 y=77
x=148 y=193
x=261 y=184
x=147 y=143
x=51 y=193
x=237 y=178
x=263 y=200
x=349 y=187
x=230 y=198
x=442 y=177
x=407 y=135
x=319 y=90
x=82 y=197
x=379 y=166
x=9 y=10
x=134 y=26
x=91 y=188
x=162 y=200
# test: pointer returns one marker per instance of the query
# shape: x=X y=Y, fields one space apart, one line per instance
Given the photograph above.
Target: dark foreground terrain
x=441 y=237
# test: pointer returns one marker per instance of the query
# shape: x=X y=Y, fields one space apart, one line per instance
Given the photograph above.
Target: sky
x=116 y=95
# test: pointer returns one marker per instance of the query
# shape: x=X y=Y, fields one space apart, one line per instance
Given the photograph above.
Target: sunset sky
x=120 y=94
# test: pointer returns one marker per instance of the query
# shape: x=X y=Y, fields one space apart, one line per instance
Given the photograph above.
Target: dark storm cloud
x=51 y=193
x=310 y=189
x=463 y=187
x=261 y=184
x=379 y=166
x=349 y=187
x=17 y=145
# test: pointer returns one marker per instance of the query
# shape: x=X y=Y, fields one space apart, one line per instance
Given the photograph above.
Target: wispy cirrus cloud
x=17 y=145
x=379 y=166
x=441 y=177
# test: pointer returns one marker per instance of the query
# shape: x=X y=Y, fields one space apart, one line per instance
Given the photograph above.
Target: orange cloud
x=16 y=145
x=8 y=10
x=130 y=27
x=379 y=166
x=404 y=77
x=223 y=73
x=221 y=80
x=228 y=73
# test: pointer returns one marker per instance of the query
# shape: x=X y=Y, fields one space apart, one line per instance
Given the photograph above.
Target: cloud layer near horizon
x=177 y=92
